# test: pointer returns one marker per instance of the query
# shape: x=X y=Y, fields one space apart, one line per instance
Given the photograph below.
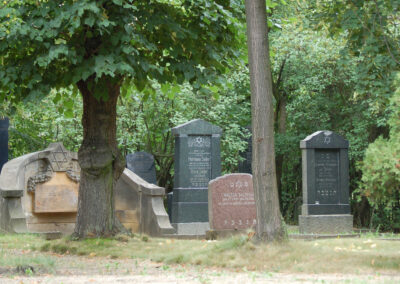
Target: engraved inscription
x=239 y=195
x=199 y=160
x=327 y=176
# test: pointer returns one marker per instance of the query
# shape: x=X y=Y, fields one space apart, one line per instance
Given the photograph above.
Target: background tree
x=98 y=46
x=380 y=181
x=269 y=221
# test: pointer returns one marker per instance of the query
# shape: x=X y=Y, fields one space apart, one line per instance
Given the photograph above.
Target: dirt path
x=78 y=269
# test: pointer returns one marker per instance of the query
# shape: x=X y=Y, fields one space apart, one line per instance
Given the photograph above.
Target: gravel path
x=79 y=269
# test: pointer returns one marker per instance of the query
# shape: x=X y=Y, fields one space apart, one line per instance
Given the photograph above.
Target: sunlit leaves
x=167 y=41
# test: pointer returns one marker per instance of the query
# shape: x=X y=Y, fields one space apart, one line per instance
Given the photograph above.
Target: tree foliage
x=380 y=181
x=47 y=44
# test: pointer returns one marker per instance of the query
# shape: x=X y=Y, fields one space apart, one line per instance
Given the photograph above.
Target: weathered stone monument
x=197 y=161
x=326 y=208
x=142 y=164
x=4 y=123
x=245 y=165
x=39 y=193
x=231 y=204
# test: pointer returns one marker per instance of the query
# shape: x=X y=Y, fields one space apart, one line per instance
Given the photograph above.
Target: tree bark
x=269 y=221
x=100 y=161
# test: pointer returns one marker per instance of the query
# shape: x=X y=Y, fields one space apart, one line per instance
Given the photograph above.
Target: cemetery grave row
x=39 y=191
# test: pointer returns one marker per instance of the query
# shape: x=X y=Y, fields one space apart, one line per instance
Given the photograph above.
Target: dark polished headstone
x=4 y=124
x=142 y=164
x=169 y=205
x=197 y=161
x=245 y=165
x=325 y=180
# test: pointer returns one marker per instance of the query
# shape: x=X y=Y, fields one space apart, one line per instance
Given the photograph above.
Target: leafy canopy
x=46 y=44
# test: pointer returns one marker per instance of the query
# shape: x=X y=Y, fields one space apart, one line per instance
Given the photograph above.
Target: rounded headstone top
x=141 y=161
x=196 y=126
x=4 y=123
x=324 y=139
x=142 y=164
x=227 y=177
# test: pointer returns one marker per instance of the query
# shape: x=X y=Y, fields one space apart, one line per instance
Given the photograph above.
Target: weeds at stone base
x=24 y=263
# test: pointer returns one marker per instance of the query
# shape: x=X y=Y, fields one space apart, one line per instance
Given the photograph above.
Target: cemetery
x=199 y=141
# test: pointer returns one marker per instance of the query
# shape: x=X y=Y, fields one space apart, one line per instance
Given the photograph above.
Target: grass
x=367 y=254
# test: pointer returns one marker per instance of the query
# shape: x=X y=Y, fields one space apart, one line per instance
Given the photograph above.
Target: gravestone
x=325 y=173
x=197 y=161
x=245 y=165
x=142 y=164
x=4 y=123
x=39 y=193
x=231 y=204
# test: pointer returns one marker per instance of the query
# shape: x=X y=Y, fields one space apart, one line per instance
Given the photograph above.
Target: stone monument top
x=324 y=139
x=198 y=127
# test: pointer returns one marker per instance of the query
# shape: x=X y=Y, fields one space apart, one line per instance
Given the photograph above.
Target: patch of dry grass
x=356 y=255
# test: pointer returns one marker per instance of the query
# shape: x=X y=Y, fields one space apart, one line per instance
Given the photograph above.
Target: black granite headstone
x=245 y=165
x=325 y=182
x=325 y=174
x=4 y=124
x=197 y=161
x=142 y=164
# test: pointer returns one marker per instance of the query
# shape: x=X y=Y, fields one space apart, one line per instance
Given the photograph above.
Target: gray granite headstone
x=142 y=164
x=326 y=207
x=4 y=124
x=197 y=161
x=245 y=165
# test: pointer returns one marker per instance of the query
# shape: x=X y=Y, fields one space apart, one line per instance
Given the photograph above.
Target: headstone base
x=197 y=228
x=189 y=212
x=326 y=224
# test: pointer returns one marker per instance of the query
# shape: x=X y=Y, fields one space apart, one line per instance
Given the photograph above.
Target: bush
x=380 y=181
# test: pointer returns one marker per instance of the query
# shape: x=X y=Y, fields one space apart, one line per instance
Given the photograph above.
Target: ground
x=31 y=259
x=92 y=269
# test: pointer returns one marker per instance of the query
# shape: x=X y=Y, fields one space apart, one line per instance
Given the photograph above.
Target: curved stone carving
x=32 y=181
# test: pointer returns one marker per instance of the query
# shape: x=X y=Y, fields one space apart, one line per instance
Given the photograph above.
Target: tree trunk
x=269 y=221
x=100 y=161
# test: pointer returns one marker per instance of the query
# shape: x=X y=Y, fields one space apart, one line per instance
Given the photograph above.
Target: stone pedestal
x=326 y=224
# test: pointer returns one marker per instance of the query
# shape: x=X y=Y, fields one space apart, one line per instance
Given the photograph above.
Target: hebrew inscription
x=327 y=176
x=199 y=161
